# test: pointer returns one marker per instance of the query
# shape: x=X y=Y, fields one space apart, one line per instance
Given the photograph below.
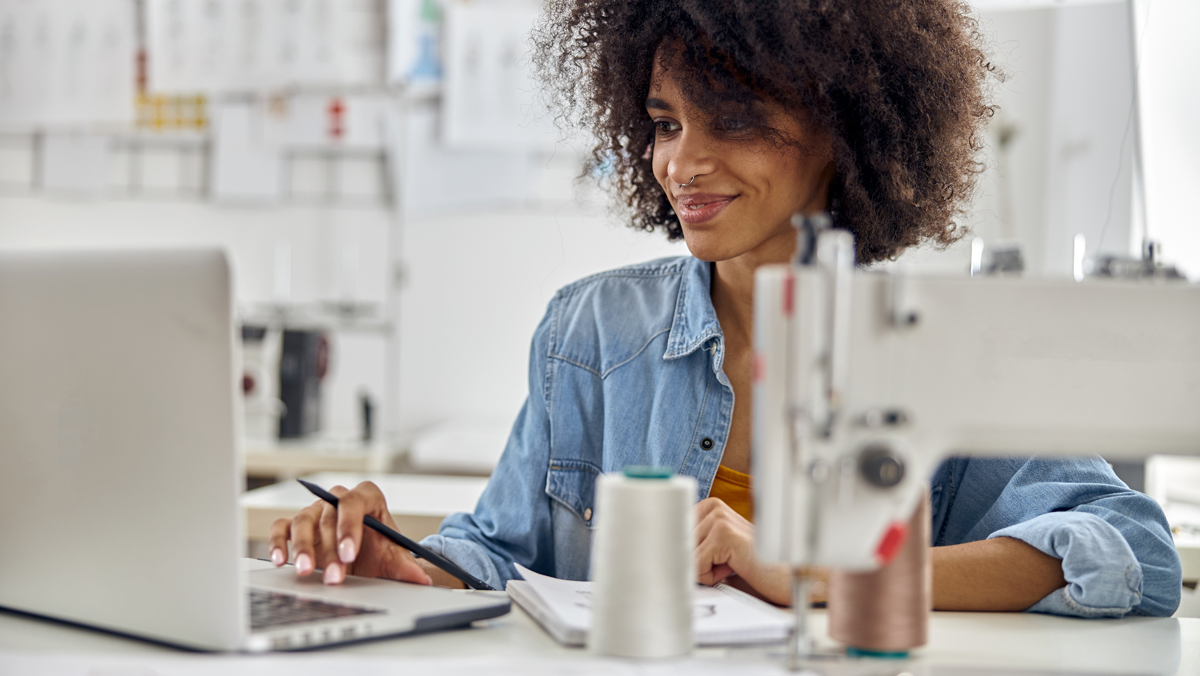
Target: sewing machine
x=865 y=381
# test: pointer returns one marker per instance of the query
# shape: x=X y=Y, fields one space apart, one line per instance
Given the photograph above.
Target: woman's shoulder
x=605 y=318
x=638 y=275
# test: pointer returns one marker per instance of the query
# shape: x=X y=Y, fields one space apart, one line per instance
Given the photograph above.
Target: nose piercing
x=684 y=185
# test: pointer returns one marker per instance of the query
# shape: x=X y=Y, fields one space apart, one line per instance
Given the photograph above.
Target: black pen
x=416 y=549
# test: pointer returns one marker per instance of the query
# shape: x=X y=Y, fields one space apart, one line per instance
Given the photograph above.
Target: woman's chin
x=713 y=246
x=707 y=248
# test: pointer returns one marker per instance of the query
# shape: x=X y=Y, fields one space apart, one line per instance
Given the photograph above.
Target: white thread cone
x=643 y=570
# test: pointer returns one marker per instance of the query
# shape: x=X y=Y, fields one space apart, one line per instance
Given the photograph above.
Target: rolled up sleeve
x=1118 y=556
x=1104 y=578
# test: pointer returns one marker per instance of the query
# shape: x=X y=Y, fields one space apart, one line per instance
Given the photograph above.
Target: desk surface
x=960 y=643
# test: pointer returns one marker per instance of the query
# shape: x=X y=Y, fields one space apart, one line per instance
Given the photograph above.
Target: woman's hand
x=725 y=548
x=725 y=553
x=323 y=536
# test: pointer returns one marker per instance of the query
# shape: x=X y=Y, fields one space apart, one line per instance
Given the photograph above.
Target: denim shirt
x=625 y=369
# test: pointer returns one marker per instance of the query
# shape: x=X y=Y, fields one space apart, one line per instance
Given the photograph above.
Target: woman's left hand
x=725 y=547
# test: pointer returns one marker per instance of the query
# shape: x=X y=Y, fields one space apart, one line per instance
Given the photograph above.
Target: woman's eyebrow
x=659 y=104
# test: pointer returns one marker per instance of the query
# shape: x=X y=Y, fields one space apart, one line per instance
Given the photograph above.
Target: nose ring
x=684 y=185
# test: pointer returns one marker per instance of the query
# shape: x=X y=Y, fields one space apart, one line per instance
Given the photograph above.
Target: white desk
x=960 y=643
x=418 y=502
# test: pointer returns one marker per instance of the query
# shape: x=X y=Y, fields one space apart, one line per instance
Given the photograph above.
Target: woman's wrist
x=440 y=577
x=773 y=583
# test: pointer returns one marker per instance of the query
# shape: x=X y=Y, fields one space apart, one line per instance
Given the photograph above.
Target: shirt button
x=587 y=514
x=706 y=443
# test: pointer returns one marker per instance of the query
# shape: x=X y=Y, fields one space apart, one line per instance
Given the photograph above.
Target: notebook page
x=723 y=615
x=569 y=600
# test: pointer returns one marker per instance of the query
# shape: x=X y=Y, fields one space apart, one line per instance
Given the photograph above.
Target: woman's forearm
x=997 y=574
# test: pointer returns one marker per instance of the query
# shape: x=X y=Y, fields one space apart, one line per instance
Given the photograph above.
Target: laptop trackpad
x=418 y=606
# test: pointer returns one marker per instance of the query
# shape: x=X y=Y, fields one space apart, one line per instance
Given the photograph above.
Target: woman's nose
x=693 y=154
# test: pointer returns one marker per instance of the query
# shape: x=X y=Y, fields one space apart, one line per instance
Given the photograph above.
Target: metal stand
x=800 y=648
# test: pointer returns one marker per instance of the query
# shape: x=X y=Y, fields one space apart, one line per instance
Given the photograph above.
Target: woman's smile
x=697 y=208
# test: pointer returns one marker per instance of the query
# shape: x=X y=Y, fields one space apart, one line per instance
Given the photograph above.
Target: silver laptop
x=120 y=470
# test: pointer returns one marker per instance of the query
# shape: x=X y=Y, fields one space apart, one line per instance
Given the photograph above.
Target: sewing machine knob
x=880 y=466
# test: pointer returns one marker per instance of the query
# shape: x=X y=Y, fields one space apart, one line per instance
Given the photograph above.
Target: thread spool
x=643 y=572
x=885 y=613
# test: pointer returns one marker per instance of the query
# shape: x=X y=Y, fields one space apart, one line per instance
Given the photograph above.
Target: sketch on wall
x=218 y=46
x=490 y=97
x=66 y=65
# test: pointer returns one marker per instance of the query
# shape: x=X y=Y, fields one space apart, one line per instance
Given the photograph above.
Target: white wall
x=1170 y=98
x=1090 y=149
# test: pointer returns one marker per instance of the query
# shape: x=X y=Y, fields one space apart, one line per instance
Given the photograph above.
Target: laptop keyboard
x=274 y=609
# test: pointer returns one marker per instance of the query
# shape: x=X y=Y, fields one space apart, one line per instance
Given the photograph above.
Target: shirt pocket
x=572 y=484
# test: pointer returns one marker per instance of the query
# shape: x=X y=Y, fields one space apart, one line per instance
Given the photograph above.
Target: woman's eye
x=733 y=124
x=665 y=126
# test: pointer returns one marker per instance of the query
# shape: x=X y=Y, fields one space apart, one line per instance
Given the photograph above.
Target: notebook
x=724 y=615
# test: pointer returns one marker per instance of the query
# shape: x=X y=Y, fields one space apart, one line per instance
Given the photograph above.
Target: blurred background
x=399 y=212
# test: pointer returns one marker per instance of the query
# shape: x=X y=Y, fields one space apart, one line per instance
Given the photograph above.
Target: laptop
x=121 y=469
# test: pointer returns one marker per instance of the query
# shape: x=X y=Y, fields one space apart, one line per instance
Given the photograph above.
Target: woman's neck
x=733 y=286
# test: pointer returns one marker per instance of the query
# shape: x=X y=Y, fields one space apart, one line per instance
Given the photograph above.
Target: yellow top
x=734 y=489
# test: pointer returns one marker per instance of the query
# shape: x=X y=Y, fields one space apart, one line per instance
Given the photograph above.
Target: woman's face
x=746 y=187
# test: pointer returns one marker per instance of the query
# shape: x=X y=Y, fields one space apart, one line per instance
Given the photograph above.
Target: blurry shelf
x=178 y=165
x=355 y=317
x=284 y=461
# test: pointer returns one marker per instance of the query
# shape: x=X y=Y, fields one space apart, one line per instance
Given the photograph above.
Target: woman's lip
x=713 y=205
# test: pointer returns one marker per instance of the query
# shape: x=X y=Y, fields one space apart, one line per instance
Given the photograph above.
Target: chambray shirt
x=625 y=369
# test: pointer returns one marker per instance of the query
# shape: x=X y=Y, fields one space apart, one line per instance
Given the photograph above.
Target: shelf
x=285 y=461
x=338 y=316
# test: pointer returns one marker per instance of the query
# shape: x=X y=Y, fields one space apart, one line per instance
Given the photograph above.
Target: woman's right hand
x=334 y=539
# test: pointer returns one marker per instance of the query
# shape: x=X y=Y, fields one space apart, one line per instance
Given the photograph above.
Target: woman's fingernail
x=333 y=573
x=346 y=551
x=277 y=557
x=304 y=564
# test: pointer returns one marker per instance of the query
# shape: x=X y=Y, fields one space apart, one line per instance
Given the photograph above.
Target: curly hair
x=900 y=87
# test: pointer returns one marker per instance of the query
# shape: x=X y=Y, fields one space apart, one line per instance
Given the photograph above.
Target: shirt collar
x=695 y=320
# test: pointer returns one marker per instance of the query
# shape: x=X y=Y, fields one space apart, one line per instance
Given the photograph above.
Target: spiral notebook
x=724 y=615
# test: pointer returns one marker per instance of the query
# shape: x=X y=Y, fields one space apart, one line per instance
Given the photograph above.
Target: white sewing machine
x=866 y=381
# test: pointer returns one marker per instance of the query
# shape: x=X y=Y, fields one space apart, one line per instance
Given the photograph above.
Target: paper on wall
x=245 y=166
x=319 y=121
x=414 y=43
x=490 y=99
x=228 y=46
x=66 y=65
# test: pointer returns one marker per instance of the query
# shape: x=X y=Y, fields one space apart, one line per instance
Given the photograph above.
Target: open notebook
x=724 y=615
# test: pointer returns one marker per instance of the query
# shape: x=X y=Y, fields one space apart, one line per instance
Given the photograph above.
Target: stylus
x=417 y=550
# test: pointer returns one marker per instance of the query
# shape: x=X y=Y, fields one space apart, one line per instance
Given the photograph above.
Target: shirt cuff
x=1104 y=578
x=469 y=555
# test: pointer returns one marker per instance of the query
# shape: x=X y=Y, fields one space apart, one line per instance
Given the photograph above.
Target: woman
x=719 y=121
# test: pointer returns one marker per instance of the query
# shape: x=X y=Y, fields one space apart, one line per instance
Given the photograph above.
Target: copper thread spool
x=885 y=612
